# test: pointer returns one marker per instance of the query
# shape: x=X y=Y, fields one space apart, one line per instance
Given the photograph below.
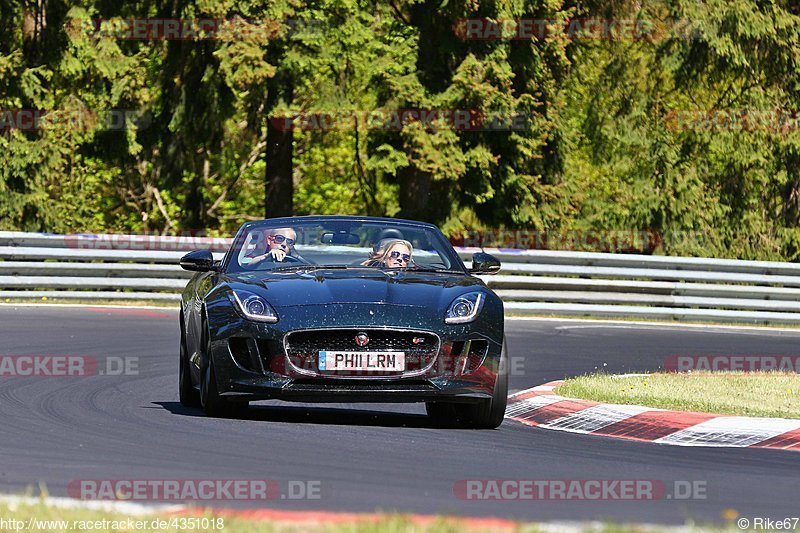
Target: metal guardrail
x=532 y=282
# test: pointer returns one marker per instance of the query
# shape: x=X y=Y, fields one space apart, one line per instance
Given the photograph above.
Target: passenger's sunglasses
x=280 y=238
x=396 y=255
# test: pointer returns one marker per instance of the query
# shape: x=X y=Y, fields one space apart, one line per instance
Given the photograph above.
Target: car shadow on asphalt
x=316 y=415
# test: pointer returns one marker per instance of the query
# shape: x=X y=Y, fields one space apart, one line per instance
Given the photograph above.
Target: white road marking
x=596 y=417
x=530 y=404
x=722 y=431
x=735 y=431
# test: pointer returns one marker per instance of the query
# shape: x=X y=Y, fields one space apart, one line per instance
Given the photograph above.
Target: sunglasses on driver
x=397 y=255
x=280 y=238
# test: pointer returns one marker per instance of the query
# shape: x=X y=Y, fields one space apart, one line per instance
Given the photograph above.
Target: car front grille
x=303 y=347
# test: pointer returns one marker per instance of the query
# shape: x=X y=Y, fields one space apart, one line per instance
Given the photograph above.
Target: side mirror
x=198 y=261
x=483 y=263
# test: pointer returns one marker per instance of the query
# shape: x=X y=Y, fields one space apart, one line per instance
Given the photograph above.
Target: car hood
x=331 y=286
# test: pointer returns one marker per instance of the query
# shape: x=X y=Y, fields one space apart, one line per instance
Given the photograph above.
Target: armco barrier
x=531 y=282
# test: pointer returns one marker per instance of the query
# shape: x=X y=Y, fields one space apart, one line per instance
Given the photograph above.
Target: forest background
x=675 y=120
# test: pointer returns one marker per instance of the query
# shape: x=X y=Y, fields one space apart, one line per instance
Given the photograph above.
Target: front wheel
x=443 y=414
x=187 y=394
x=487 y=414
x=212 y=403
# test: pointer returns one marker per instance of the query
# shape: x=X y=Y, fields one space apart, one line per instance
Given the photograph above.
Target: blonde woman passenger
x=391 y=253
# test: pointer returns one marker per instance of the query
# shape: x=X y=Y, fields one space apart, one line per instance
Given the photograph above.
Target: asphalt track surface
x=366 y=457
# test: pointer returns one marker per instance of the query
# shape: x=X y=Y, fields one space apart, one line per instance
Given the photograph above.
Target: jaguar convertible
x=343 y=309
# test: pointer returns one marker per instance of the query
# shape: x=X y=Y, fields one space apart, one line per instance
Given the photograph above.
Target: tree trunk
x=421 y=197
x=415 y=190
x=278 y=182
x=194 y=209
x=34 y=21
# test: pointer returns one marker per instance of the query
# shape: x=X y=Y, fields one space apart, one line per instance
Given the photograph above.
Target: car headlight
x=465 y=308
x=253 y=306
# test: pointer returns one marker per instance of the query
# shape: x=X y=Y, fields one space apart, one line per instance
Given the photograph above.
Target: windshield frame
x=438 y=239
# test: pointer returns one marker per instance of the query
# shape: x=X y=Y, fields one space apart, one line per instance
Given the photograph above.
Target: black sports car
x=343 y=309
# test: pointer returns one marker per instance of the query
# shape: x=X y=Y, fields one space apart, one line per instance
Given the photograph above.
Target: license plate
x=376 y=361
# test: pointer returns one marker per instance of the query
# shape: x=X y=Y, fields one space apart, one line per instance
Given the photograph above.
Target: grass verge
x=764 y=394
x=40 y=516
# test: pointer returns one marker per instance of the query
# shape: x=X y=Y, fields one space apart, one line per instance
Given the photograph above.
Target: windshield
x=271 y=245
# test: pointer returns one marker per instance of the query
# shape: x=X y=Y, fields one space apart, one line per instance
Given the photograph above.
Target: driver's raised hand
x=277 y=254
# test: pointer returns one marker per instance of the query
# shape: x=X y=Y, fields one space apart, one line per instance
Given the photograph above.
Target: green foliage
x=612 y=133
x=640 y=126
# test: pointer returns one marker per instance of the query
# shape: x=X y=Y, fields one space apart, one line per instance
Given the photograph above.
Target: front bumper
x=253 y=362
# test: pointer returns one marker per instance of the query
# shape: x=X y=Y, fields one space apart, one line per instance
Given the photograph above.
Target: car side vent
x=458 y=347
x=475 y=355
x=270 y=351
x=240 y=351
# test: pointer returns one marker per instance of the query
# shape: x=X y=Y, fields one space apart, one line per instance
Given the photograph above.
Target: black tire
x=189 y=396
x=442 y=414
x=212 y=403
x=489 y=414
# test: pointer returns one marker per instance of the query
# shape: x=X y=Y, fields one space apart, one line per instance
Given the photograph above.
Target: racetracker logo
x=446 y=364
x=772 y=121
x=193 y=489
x=604 y=29
x=398 y=119
x=66 y=366
x=579 y=489
x=185 y=242
x=594 y=240
x=29 y=120
x=185 y=29
x=726 y=363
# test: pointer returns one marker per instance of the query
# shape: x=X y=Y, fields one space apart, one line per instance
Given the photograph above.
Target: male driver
x=279 y=244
